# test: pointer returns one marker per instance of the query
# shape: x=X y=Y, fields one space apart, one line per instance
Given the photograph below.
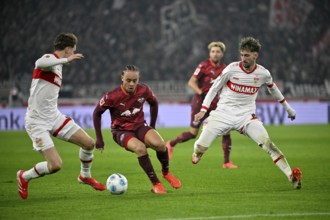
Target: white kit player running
x=44 y=119
x=239 y=85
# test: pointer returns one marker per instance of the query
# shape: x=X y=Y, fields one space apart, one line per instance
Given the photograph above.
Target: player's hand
x=199 y=116
x=75 y=56
x=99 y=144
x=291 y=114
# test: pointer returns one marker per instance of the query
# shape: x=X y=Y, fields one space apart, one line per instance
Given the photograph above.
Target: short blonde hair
x=217 y=44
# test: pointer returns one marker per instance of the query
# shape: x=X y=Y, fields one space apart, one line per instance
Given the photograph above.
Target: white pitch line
x=250 y=216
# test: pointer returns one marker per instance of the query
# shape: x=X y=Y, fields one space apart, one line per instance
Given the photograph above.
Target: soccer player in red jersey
x=129 y=128
x=44 y=119
x=201 y=81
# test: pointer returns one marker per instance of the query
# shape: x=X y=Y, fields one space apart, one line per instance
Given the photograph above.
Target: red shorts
x=122 y=137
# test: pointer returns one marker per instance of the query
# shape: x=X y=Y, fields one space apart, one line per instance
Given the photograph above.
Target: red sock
x=163 y=159
x=146 y=165
x=226 y=146
x=183 y=137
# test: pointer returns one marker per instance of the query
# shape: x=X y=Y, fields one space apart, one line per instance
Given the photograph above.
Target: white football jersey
x=45 y=87
x=239 y=88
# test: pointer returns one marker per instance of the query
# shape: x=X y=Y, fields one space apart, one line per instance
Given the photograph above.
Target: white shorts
x=40 y=130
x=221 y=123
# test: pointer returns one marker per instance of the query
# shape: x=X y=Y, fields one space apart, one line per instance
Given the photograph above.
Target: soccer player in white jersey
x=44 y=119
x=239 y=85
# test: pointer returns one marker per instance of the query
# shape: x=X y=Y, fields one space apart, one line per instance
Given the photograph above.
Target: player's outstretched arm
x=97 y=117
x=76 y=56
x=276 y=93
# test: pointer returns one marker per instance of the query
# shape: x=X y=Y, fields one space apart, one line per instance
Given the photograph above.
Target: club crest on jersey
x=255 y=80
x=141 y=100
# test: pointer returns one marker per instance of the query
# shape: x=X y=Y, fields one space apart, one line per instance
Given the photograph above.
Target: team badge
x=255 y=80
x=141 y=100
x=39 y=142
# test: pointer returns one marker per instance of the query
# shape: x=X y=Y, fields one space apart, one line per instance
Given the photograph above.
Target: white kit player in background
x=43 y=118
x=239 y=85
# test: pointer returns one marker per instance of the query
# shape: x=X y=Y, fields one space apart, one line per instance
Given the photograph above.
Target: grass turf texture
x=256 y=190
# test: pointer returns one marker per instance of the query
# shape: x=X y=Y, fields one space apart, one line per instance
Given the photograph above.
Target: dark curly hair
x=250 y=44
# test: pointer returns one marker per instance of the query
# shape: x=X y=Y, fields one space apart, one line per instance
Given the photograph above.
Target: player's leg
x=78 y=136
x=257 y=132
x=181 y=138
x=66 y=129
x=43 y=143
x=138 y=147
x=156 y=142
x=196 y=104
x=226 y=147
x=202 y=144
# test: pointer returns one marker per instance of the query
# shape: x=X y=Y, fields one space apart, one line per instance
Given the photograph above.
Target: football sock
x=278 y=158
x=146 y=165
x=283 y=164
x=183 y=137
x=226 y=147
x=163 y=159
x=86 y=158
x=39 y=170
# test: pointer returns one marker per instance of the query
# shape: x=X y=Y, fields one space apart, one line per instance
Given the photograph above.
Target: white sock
x=278 y=158
x=283 y=164
x=86 y=158
x=197 y=150
x=39 y=170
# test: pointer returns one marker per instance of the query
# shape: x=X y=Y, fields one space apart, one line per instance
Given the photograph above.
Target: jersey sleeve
x=105 y=102
x=268 y=79
x=49 y=60
x=219 y=82
x=198 y=71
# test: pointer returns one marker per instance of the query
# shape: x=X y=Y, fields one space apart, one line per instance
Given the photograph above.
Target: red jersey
x=126 y=109
x=206 y=73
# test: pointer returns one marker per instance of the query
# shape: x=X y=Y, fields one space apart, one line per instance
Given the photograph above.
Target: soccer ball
x=117 y=184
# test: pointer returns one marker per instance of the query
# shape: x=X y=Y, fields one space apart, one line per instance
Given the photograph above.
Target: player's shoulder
x=141 y=87
x=262 y=69
x=113 y=92
x=48 y=55
x=204 y=63
x=232 y=66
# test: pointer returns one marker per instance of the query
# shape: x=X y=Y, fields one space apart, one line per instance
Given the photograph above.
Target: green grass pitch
x=256 y=190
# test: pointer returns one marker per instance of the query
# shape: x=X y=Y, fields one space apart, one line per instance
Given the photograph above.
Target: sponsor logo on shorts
x=39 y=142
x=121 y=138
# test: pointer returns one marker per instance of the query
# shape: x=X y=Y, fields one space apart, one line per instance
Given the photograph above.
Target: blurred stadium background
x=166 y=40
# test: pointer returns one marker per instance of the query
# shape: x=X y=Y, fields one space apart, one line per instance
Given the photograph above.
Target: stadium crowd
x=165 y=39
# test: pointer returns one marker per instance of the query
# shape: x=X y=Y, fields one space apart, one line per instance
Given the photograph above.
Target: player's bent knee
x=141 y=150
x=89 y=145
